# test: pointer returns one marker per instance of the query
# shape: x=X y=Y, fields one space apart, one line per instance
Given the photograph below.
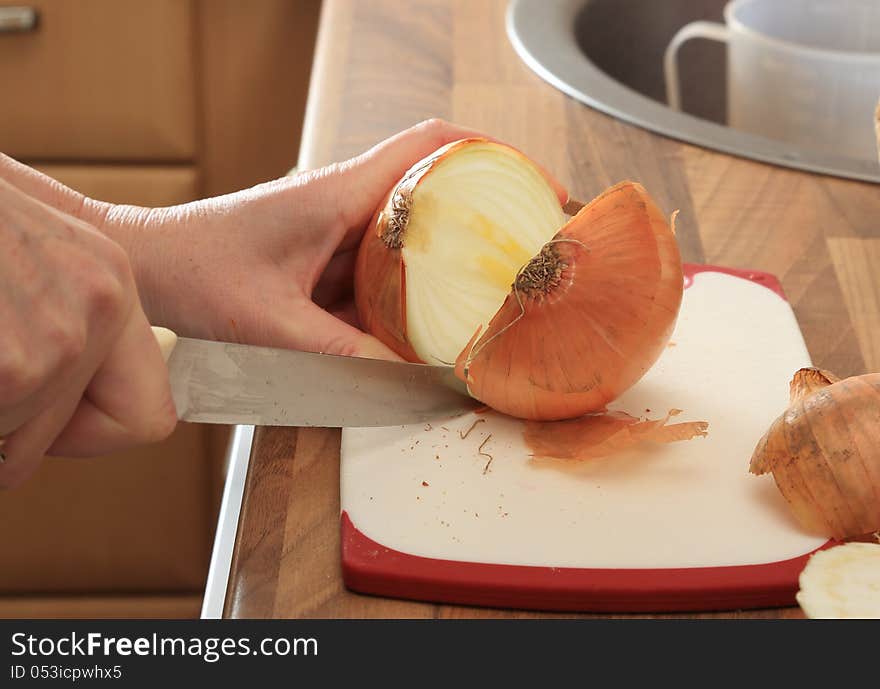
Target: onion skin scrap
x=824 y=453
x=601 y=435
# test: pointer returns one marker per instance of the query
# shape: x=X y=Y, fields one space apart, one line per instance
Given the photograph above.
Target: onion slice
x=842 y=583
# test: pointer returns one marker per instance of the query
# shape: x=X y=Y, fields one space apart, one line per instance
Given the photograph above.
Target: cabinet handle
x=18 y=19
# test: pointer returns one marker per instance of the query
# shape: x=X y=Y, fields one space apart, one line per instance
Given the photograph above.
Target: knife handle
x=167 y=340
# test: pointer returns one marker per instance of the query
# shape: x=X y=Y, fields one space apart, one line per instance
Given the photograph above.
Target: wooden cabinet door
x=100 y=80
x=133 y=521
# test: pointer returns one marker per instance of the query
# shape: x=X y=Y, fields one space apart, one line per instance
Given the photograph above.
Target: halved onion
x=472 y=260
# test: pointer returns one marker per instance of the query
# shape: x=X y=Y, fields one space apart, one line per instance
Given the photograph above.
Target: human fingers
x=312 y=329
x=128 y=400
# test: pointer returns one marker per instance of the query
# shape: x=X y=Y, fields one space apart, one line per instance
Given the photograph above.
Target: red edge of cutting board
x=370 y=567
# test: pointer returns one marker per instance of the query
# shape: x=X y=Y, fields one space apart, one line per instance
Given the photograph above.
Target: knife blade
x=225 y=383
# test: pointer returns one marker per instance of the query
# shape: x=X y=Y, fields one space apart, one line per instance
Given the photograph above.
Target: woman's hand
x=80 y=371
x=271 y=265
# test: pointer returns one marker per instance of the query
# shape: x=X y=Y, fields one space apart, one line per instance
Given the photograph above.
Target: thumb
x=391 y=158
x=316 y=330
x=128 y=401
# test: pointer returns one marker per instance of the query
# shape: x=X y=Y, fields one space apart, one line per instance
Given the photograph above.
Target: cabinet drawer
x=99 y=80
x=141 y=185
x=134 y=521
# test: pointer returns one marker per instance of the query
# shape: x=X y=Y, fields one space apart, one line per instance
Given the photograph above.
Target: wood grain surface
x=101 y=80
x=379 y=70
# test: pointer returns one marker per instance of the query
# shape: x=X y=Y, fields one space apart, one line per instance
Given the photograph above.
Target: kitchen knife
x=223 y=383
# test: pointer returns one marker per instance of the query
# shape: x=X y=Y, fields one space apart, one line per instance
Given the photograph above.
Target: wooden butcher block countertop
x=384 y=65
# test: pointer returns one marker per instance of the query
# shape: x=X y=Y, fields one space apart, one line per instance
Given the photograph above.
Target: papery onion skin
x=599 y=435
x=380 y=273
x=569 y=350
x=824 y=454
x=807 y=381
x=380 y=293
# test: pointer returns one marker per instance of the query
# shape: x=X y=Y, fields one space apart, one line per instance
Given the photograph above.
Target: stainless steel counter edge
x=237 y=462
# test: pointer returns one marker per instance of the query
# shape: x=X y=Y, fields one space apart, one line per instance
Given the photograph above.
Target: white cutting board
x=420 y=515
